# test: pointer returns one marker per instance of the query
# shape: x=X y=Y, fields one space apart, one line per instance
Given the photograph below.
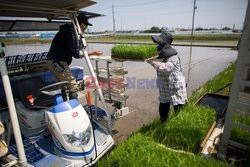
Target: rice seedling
x=189 y=128
x=242 y=118
x=133 y=52
x=140 y=150
x=241 y=135
x=185 y=131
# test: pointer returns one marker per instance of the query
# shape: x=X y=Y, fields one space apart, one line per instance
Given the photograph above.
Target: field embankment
x=229 y=40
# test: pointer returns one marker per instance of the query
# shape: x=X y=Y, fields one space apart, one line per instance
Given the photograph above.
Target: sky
x=144 y=14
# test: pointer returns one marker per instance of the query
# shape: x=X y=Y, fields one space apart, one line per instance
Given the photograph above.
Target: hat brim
x=167 y=53
x=88 y=24
x=157 y=39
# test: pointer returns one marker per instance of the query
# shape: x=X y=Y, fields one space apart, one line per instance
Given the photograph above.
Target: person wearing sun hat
x=171 y=82
x=63 y=48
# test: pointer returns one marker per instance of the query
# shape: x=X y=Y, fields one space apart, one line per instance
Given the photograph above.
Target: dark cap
x=163 y=38
x=83 y=19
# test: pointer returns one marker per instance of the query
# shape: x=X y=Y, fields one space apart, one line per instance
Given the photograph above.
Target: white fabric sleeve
x=81 y=53
x=164 y=67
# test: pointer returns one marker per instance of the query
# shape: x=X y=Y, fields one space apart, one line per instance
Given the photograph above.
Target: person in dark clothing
x=63 y=48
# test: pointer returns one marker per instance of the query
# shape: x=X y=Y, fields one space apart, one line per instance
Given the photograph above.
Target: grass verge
x=18 y=41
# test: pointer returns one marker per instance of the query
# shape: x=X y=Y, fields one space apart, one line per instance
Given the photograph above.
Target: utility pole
x=192 y=32
x=121 y=23
x=113 y=13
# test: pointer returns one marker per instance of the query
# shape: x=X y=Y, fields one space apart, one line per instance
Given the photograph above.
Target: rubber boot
x=163 y=119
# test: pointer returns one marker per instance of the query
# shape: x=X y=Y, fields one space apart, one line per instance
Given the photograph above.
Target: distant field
x=202 y=38
x=17 y=41
x=176 y=37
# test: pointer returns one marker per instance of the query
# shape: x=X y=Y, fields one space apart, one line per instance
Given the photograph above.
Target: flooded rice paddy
x=206 y=62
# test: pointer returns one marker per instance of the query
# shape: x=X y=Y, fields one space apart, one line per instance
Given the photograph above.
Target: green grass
x=240 y=135
x=133 y=52
x=208 y=37
x=185 y=131
x=25 y=41
x=242 y=118
x=183 y=37
x=141 y=151
x=133 y=39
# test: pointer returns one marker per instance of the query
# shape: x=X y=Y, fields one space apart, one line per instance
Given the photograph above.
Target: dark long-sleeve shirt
x=65 y=45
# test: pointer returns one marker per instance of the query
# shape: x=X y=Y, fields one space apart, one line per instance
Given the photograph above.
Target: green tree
x=155 y=29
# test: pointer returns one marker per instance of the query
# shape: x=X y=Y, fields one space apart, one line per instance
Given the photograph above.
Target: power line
x=167 y=13
x=113 y=14
x=151 y=14
x=192 y=32
x=102 y=9
x=221 y=9
x=141 y=4
x=130 y=5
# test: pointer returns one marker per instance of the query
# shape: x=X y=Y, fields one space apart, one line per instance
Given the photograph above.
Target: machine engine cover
x=71 y=129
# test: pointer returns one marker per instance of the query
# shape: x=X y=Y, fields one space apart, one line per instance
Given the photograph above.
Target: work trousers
x=164 y=109
x=62 y=72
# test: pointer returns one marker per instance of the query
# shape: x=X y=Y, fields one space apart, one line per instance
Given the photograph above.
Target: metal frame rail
x=12 y=109
x=239 y=102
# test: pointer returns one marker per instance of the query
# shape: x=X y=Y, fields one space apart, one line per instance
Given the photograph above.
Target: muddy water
x=143 y=97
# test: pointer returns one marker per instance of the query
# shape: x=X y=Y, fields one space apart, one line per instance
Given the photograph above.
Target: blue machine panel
x=32 y=154
x=47 y=77
x=100 y=112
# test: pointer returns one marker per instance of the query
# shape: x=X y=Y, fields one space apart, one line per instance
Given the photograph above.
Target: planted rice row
x=133 y=52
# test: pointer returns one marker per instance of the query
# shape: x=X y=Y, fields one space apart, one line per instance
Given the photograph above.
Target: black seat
x=29 y=86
